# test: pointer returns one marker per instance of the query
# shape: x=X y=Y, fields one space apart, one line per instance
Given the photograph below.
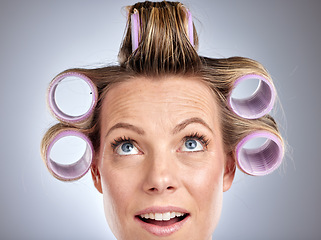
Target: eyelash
x=205 y=141
x=119 y=141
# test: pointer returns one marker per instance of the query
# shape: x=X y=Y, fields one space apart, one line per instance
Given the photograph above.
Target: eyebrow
x=126 y=126
x=176 y=130
x=186 y=122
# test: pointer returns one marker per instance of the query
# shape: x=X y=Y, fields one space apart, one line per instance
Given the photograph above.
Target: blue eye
x=192 y=145
x=127 y=148
x=124 y=146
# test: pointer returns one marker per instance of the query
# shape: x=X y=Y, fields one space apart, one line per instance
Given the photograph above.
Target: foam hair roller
x=74 y=171
x=62 y=116
x=262 y=160
x=259 y=103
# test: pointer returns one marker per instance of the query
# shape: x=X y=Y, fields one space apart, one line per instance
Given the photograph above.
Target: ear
x=229 y=172
x=95 y=174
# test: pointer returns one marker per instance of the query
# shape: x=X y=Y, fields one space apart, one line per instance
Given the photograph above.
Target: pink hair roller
x=262 y=160
x=190 y=27
x=62 y=116
x=74 y=171
x=135 y=24
x=259 y=103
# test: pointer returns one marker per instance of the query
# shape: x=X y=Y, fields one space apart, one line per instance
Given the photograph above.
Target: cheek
x=117 y=195
x=205 y=186
x=117 y=189
x=205 y=176
x=121 y=186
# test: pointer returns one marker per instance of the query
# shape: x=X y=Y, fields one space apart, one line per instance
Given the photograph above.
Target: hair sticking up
x=165 y=44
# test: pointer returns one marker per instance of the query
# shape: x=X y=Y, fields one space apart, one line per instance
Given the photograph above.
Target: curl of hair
x=165 y=49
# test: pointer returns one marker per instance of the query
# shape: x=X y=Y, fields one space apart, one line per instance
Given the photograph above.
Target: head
x=163 y=135
x=161 y=151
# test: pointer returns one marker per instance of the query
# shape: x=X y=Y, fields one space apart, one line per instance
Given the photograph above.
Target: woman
x=165 y=133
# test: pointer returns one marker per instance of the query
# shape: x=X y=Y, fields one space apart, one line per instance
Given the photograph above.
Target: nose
x=161 y=174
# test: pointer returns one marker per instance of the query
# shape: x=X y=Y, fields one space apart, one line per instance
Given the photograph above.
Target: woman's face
x=161 y=167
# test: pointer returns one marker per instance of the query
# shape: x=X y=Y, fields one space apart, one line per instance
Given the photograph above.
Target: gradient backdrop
x=39 y=39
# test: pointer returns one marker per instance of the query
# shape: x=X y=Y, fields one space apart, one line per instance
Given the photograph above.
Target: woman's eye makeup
x=124 y=146
x=194 y=143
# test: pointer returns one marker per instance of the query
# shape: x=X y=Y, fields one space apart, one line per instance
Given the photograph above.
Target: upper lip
x=161 y=209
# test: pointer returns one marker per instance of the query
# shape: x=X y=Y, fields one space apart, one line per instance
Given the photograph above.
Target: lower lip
x=162 y=231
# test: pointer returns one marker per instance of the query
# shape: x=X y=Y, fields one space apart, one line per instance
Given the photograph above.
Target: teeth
x=162 y=216
x=158 y=216
x=166 y=216
x=178 y=214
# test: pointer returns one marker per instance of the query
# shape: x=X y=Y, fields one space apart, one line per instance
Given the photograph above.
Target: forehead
x=148 y=101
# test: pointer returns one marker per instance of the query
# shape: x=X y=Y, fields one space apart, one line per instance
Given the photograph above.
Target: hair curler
x=135 y=28
x=259 y=103
x=62 y=116
x=262 y=160
x=190 y=27
x=74 y=171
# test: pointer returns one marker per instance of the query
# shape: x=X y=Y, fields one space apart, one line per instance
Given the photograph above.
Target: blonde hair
x=164 y=43
x=165 y=49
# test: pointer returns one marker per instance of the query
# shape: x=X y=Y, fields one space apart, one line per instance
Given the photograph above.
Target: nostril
x=154 y=189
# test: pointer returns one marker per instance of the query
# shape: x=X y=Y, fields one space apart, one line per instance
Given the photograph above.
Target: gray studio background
x=39 y=39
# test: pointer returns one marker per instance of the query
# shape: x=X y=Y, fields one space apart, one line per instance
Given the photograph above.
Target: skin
x=160 y=172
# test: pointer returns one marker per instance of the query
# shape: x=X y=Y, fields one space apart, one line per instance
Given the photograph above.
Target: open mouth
x=162 y=219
